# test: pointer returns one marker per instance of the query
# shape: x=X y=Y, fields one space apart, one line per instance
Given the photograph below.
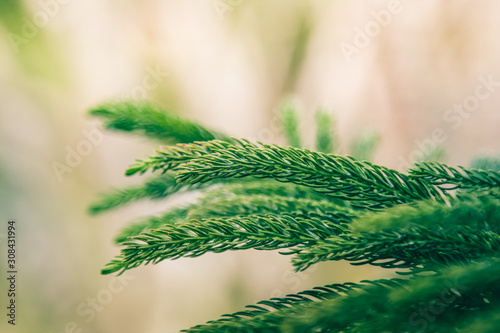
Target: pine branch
x=214 y=205
x=448 y=178
x=480 y=211
x=458 y=293
x=271 y=187
x=420 y=248
x=463 y=292
x=271 y=314
x=338 y=176
x=173 y=216
x=426 y=235
x=195 y=238
x=223 y=202
x=170 y=157
x=153 y=122
x=319 y=207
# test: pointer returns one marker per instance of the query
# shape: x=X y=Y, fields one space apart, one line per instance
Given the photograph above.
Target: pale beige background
x=229 y=65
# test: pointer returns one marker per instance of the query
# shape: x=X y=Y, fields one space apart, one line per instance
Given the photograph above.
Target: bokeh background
x=422 y=74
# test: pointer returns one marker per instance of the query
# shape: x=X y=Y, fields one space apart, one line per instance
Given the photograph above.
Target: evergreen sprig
x=338 y=176
x=432 y=234
x=245 y=198
x=153 y=122
x=192 y=239
x=214 y=206
x=438 y=225
x=173 y=216
x=448 y=177
x=440 y=303
x=271 y=315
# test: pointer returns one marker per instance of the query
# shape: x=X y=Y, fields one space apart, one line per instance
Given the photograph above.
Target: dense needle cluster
x=437 y=225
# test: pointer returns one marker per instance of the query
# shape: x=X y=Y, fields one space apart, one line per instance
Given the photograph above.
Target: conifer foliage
x=438 y=226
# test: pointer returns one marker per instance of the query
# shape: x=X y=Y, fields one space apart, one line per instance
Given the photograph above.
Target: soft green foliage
x=434 y=154
x=325 y=137
x=363 y=146
x=486 y=163
x=437 y=226
x=291 y=123
x=432 y=234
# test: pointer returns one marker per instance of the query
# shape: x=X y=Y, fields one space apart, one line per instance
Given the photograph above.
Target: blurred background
x=423 y=74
